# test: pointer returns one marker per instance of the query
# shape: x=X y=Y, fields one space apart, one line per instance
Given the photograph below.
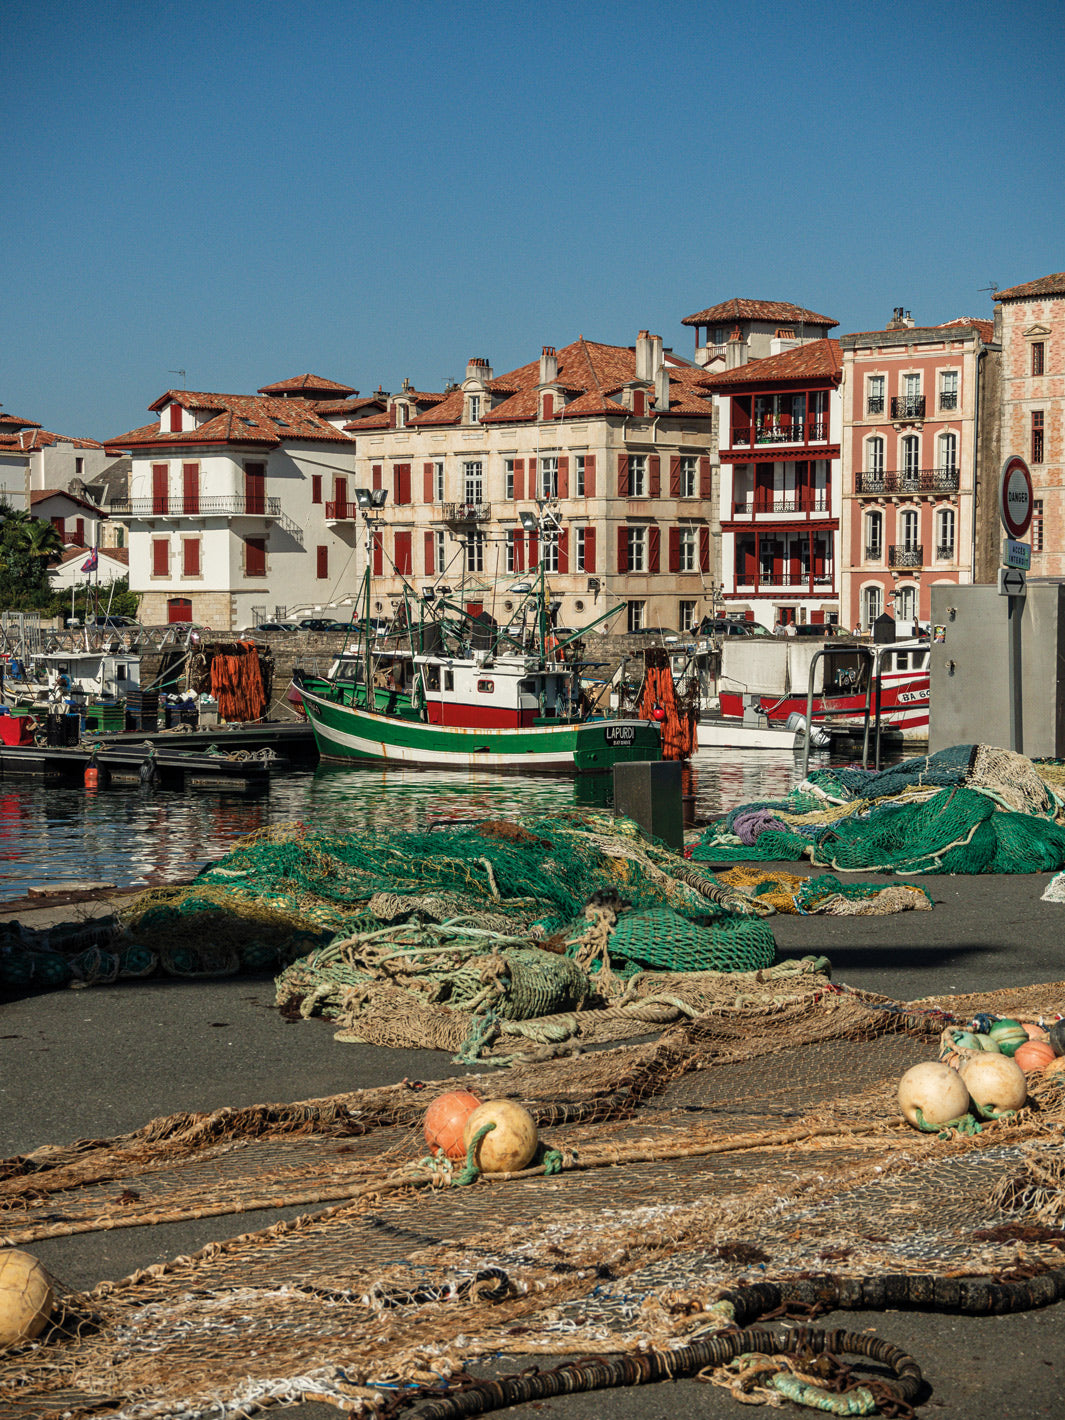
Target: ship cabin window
x=486 y=687
x=902 y=660
x=432 y=678
x=449 y=680
x=120 y=671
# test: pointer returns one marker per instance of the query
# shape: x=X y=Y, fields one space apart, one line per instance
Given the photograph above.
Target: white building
x=226 y=510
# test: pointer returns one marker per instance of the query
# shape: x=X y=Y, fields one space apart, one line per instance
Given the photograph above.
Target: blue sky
x=373 y=191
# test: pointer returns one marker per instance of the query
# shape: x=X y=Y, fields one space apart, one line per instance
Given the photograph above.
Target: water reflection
x=52 y=834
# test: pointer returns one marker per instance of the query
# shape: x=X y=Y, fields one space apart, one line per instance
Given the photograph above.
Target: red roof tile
x=740 y=309
x=30 y=440
x=238 y=419
x=117 y=554
x=309 y=387
x=817 y=361
x=1045 y=286
x=38 y=495
x=11 y=421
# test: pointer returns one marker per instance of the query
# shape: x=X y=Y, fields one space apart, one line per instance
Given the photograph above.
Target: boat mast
x=369 y=502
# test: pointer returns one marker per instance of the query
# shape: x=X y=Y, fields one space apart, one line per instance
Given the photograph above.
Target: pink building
x=1031 y=320
x=912 y=397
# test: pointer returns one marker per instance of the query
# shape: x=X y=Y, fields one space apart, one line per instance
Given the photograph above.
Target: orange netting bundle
x=237 y=682
x=660 y=704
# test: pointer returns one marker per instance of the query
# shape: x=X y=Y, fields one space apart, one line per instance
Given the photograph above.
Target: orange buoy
x=1034 y=1055
x=92 y=777
x=445 y=1120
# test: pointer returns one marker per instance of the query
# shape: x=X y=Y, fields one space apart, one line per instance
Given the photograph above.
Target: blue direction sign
x=1016 y=554
x=1011 y=582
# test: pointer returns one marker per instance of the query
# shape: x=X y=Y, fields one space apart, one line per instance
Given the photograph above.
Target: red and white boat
x=891 y=681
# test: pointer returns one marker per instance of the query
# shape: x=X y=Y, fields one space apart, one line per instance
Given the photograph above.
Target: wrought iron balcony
x=917 y=480
x=874 y=404
x=231 y=505
x=780 y=505
x=776 y=433
x=945 y=554
x=948 y=399
x=467 y=512
x=905 y=556
x=907 y=406
x=874 y=554
x=797 y=580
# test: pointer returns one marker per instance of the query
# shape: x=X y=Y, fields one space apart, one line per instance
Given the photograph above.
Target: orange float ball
x=1034 y=1032
x=1034 y=1055
x=445 y=1119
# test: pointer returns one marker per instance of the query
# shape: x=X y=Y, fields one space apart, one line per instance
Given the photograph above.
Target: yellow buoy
x=936 y=1090
x=995 y=1083
x=510 y=1145
x=25 y=1297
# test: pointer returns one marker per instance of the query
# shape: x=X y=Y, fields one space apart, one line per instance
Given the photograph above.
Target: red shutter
x=549 y=406
x=316 y=487
x=79 y=532
x=674 y=549
x=160 y=556
x=175 y=418
x=530 y=483
x=704 y=478
x=519 y=552
x=563 y=478
x=655 y=464
x=623 y=549
x=674 y=475
x=589 y=475
x=255 y=557
x=190 y=556
x=404 y=559
x=375 y=476
x=430 y=546
x=654 y=543
x=519 y=479
x=589 y=548
x=378 y=555
x=60 y=526
x=255 y=489
x=160 y=488
x=534 y=549
x=704 y=549
x=623 y=475
x=563 y=550
x=323 y=561
x=401 y=483
x=190 y=487
x=427 y=480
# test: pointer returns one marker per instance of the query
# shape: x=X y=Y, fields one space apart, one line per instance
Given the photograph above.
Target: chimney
x=645 y=369
x=479 y=370
x=548 y=365
x=661 y=389
x=900 y=320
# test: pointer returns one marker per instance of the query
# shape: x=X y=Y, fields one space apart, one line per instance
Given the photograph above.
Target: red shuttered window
x=563 y=478
x=563 y=550
x=404 y=553
x=519 y=479
x=704 y=549
x=427 y=484
x=430 y=559
x=255 y=489
x=322 y=569
x=655 y=465
x=654 y=543
x=623 y=475
x=190 y=557
x=376 y=476
x=160 y=488
x=190 y=488
x=674 y=475
x=401 y=483
x=160 y=556
x=589 y=547
x=589 y=476
x=623 y=548
x=316 y=487
x=378 y=555
x=705 y=478
x=255 y=557
x=674 y=548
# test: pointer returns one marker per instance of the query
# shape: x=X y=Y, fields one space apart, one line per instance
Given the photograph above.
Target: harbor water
x=126 y=836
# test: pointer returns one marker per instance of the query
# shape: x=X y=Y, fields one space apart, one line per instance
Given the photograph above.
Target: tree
x=28 y=547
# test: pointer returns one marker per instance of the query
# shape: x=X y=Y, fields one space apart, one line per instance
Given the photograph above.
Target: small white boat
x=717 y=731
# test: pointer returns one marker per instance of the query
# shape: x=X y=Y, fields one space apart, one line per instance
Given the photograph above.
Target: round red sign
x=1015 y=499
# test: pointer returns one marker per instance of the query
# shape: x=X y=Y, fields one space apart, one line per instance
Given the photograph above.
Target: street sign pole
x=1015 y=513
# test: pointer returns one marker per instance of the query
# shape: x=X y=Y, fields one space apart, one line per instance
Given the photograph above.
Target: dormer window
x=549 y=406
x=401 y=416
x=475 y=408
x=175 y=418
x=639 y=402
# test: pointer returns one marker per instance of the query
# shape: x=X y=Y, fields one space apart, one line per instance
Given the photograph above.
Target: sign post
x=1015 y=511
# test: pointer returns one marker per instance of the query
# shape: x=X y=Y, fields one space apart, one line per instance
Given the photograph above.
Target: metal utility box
x=970 y=669
x=649 y=791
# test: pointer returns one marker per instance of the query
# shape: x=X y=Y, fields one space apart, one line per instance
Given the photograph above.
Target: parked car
x=110 y=623
x=320 y=623
x=729 y=626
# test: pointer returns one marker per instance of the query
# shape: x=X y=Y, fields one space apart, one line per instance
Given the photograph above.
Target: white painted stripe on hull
x=448 y=759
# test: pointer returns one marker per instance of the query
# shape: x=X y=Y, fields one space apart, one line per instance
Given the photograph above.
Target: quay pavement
x=102 y=1061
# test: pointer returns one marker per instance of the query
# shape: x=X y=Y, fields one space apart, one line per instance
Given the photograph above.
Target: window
x=438 y=551
x=475 y=552
x=175 y=418
x=1037 y=436
x=508 y=479
x=511 y=550
x=255 y=556
x=945 y=534
x=401 y=483
x=874 y=456
x=688 y=473
x=475 y=408
x=79 y=465
x=686 y=616
x=473 y=481
x=1038 y=356
x=404 y=551
x=948 y=389
x=874 y=394
x=549 y=477
x=549 y=555
x=911 y=457
x=160 y=556
x=687 y=551
x=316 y=487
x=323 y=562
x=638 y=476
x=190 y=557
x=948 y=453
x=578 y=474
x=906 y=604
x=636 y=540
x=160 y=488
x=872 y=605
x=255 y=488
x=438 y=481
x=401 y=416
x=635 y=616
x=1036 y=536
x=581 y=551
x=874 y=536
x=908 y=529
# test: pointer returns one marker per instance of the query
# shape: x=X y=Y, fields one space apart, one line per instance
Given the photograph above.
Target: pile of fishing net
x=753 y=1157
x=968 y=809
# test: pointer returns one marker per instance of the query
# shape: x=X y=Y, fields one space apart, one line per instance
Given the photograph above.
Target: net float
x=445 y=1121
x=1035 y=1055
x=510 y=1145
x=934 y=1089
x=26 y=1297
x=1008 y=1034
x=995 y=1083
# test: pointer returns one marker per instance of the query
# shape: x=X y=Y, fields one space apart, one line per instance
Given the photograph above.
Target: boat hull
x=349 y=732
x=903 y=707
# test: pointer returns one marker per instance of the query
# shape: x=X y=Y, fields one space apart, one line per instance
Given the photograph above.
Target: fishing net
x=970 y=809
x=824 y=893
x=750 y=1157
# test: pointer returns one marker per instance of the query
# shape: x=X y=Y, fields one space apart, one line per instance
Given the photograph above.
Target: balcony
x=746 y=507
x=230 y=505
x=907 y=406
x=467 y=512
x=918 y=480
x=341 y=512
x=905 y=556
x=874 y=554
x=945 y=553
x=874 y=404
x=948 y=399
x=812 y=431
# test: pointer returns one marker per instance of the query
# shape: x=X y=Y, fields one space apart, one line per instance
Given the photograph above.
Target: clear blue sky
x=371 y=191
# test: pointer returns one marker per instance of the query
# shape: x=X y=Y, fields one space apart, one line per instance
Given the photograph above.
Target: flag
x=91 y=562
